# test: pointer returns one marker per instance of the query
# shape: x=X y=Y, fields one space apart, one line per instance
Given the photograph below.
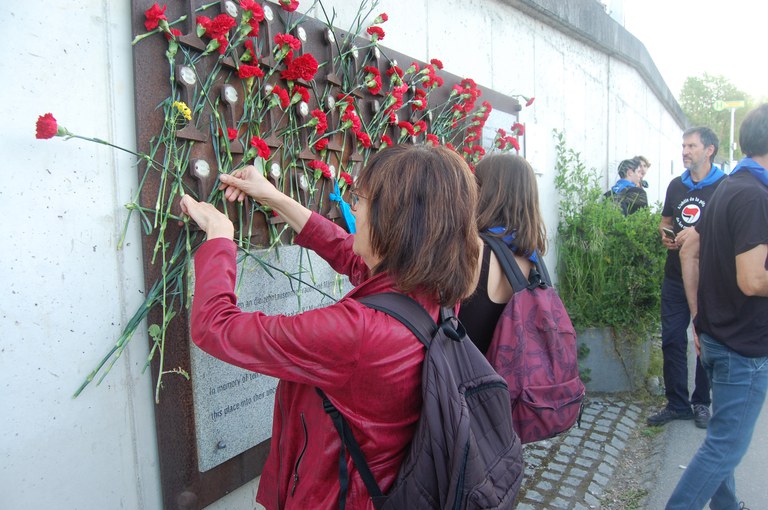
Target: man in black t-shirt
x=726 y=259
x=687 y=196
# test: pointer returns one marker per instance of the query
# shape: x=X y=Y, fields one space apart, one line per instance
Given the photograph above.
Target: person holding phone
x=726 y=281
x=687 y=196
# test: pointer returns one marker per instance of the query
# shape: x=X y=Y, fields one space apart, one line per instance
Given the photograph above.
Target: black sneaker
x=666 y=415
x=701 y=415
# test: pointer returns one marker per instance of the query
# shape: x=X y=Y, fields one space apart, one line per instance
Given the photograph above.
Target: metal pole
x=733 y=115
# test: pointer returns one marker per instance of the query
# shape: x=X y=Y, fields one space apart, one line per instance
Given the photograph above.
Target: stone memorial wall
x=225 y=84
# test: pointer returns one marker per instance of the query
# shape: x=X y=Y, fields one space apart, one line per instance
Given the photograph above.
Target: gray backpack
x=465 y=453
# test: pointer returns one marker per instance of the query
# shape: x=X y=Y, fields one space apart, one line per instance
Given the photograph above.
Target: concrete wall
x=67 y=291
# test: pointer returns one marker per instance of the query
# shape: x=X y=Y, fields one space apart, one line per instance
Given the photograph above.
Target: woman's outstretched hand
x=247 y=181
x=208 y=218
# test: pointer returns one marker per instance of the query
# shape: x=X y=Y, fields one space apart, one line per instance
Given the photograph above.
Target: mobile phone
x=668 y=232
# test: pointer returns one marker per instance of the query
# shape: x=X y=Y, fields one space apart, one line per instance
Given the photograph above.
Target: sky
x=689 y=37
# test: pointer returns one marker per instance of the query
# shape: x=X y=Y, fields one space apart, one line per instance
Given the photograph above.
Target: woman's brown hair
x=509 y=198
x=422 y=202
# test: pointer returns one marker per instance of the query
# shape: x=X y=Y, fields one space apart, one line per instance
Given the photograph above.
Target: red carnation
x=301 y=68
x=302 y=92
x=433 y=139
x=231 y=133
x=174 y=32
x=154 y=14
x=530 y=101
x=47 y=126
x=519 y=128
x=372 y=79
x=376 y=33
x=289 y=5
x=386 y=140
x=261 y=146
x=257 y=12
x=395 y=69
x=381 y=18
x=287 y=40
x=346 y=178
x=321 y=166
x=513 y=142
x=420 y=127
x=248 y=71
x=404 y=125
x=322 y=121
x=432 y=79
x=363 y=138
x=350 y=119
x=419 y=101
x=437 y=63
x=321 y=144
x=282 y=96
x=254 y=28
x=218 y=26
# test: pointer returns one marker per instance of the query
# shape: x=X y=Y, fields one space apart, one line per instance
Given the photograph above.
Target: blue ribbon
x=509 y=240
x=346 y=212
x=712 y=177
x=753 y=167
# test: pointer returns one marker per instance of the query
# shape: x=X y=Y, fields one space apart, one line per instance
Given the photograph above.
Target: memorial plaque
x=233 y=406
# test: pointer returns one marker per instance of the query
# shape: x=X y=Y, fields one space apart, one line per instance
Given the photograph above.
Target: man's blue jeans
x=675 y=317
x=739 y=387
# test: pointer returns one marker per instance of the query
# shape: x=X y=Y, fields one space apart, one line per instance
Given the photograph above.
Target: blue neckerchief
x=712 y=177
x=753 y=167
x=509 y=240
x=346 y=213
x=621 y=185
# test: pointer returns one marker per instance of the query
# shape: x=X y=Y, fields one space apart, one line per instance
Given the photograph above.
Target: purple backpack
x=464 y=453
x=534 y=349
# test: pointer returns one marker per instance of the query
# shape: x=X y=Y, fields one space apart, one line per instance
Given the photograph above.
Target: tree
x=697 y=99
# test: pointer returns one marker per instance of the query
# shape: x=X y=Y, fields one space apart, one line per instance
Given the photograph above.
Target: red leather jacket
x=367 y=363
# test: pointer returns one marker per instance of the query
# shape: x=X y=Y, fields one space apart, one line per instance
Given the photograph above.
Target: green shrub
x=610 y=266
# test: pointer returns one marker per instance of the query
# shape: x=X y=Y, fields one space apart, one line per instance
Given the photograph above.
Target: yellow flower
x=183 y=109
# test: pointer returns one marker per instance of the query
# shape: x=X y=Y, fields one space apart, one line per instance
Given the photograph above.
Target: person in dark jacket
x=628 y=191
x=414 y=208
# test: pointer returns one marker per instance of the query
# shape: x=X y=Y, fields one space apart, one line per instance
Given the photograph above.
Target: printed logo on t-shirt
x=691 y=213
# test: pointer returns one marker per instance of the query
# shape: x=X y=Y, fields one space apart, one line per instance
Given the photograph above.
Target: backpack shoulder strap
x=542 y=268
x=512 y=271
x=413 y=316
x=406 y=310
x=507 y=260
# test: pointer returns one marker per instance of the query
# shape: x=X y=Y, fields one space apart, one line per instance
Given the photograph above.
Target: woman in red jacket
x=414 y=209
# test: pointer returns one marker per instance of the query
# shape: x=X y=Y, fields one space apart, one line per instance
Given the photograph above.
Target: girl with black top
x=508 y=208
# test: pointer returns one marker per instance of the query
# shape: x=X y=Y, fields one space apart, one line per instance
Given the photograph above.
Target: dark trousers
x=675 y=317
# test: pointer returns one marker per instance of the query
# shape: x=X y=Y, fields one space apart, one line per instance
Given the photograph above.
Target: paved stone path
x=572 y=471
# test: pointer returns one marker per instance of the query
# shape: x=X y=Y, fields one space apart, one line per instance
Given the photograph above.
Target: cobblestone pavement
x=573 y=470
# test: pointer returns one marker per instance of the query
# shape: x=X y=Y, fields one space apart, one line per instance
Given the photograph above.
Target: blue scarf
x=346 y=213
x=753 y=167
x=509 y=240
x=621 y=185
x=712 y=177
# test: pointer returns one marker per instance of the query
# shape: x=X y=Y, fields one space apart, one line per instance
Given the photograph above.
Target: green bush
x=610 y=266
